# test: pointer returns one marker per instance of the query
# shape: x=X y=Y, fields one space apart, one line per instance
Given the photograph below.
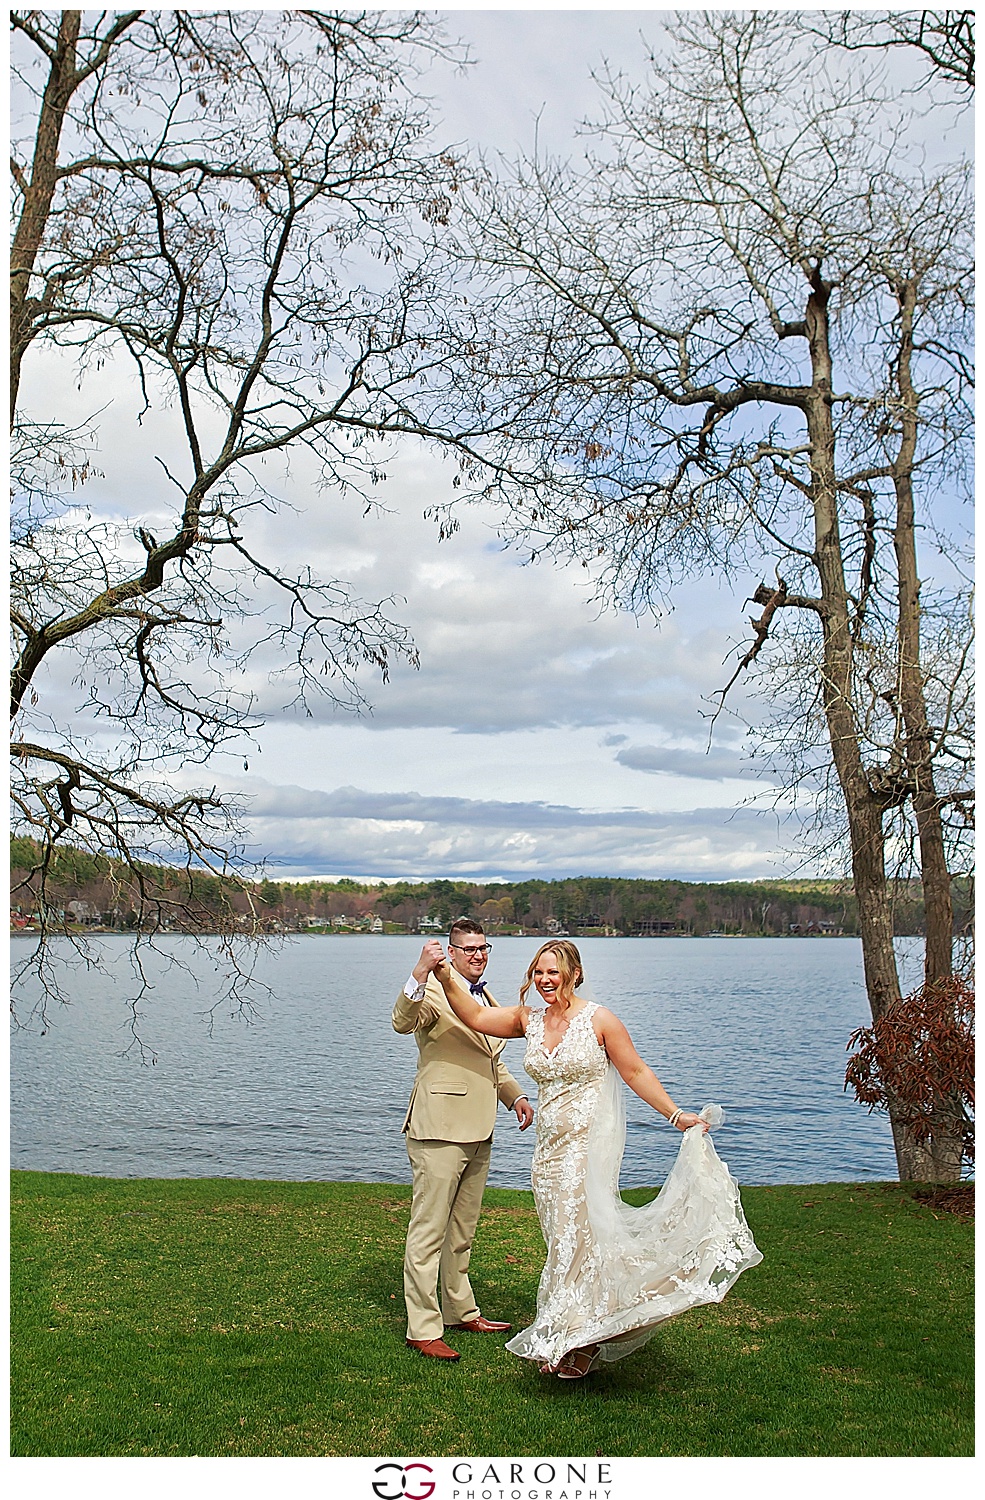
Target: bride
x=613 y=1272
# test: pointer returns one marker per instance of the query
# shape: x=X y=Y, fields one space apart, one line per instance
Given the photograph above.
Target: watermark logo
x=403 y=1481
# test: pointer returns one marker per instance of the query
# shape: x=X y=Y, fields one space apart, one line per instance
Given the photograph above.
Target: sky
x=539 y=737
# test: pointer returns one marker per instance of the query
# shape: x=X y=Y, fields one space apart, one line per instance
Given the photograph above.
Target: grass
x=229 y=1318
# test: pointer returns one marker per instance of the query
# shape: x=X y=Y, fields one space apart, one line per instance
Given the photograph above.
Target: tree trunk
x=939 y=915
x=38 y=193
x=941 y=1161
x=864 y=806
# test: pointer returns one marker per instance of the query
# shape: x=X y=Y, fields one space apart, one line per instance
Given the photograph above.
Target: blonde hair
x=569 y=967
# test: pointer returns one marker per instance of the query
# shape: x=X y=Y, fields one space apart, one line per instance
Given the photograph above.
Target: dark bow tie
x=478 y=988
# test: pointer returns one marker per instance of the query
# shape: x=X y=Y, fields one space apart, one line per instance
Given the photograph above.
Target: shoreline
x=919 y=1190
x=634 y=937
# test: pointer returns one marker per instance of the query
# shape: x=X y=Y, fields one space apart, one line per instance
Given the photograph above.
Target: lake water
x=315 y=1088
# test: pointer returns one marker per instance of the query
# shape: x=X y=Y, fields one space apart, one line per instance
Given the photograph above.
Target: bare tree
x=243 y=207
x=740 y=341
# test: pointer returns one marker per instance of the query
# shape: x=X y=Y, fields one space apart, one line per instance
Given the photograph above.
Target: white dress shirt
x=415 y=991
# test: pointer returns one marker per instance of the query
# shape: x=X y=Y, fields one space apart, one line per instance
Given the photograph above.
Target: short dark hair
x=465 y=924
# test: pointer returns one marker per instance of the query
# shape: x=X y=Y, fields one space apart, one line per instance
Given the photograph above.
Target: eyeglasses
x=483 y=948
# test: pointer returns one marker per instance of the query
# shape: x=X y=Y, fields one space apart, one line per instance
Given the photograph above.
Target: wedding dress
x=613 y=1273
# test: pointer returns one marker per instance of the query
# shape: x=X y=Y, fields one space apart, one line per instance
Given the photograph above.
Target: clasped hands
x=432 y=957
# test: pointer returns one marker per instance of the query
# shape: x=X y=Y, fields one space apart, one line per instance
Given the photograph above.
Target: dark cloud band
x=383 y=834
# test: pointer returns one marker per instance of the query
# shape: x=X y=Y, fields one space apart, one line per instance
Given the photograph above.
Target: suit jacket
x=459 y=1073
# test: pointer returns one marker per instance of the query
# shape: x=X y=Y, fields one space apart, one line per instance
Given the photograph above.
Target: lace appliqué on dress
x=613 y=1273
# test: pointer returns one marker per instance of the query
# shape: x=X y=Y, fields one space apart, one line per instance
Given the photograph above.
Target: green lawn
x=234 y=1318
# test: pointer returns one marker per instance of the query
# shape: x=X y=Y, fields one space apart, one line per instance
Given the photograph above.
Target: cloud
x=713 y=765
x=484 y=762
x=411 y=807
x=503 y=646
x=353 y=832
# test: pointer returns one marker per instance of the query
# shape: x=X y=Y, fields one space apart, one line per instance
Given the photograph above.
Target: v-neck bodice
x=576 y=1057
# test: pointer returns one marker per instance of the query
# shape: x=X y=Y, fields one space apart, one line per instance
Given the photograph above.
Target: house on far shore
x=82 y=912
x=430 y=924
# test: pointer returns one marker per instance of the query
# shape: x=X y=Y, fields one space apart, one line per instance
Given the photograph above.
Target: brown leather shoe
x=482 y=1325
x=433 y=1348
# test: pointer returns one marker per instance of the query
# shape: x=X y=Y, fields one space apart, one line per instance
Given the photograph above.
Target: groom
x=449 y=1127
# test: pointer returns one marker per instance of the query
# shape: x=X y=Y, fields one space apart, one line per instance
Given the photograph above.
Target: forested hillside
x=94 y=893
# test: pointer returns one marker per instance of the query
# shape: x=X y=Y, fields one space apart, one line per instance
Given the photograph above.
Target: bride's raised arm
x=491 y=1020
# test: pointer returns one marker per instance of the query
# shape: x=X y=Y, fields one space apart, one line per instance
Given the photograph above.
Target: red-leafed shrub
x=921 y=1055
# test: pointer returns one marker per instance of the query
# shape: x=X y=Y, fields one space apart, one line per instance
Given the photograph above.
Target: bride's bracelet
x=675 y=1117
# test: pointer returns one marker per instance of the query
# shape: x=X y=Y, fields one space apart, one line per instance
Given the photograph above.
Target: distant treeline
x=87 y=891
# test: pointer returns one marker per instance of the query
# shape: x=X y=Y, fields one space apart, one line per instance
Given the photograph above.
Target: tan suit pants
x=449 y=1177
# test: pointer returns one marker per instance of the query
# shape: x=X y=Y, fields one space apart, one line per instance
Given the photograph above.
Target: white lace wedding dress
x=613 y=1272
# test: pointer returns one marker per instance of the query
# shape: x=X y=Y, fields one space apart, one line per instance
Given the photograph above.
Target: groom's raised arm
x=415 y=1010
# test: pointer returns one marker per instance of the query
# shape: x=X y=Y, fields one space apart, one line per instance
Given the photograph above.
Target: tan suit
x=449 y=1125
